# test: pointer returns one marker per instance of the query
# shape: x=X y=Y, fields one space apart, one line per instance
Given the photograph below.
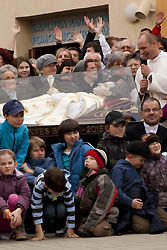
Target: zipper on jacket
x=14 y=139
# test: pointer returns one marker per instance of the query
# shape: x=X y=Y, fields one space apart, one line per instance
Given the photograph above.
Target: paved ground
x=125 y=242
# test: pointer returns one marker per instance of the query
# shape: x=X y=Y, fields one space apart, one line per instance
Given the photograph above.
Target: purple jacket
x=14 y=184
x=154 y=174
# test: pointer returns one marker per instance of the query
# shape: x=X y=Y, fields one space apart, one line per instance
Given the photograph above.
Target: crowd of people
x=81 y=190
x=89 y=55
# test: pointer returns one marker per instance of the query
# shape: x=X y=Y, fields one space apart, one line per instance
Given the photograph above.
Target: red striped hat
x=99 y=155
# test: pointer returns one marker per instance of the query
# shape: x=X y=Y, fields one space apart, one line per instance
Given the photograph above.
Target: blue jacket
x=130 y=186
x=15 y=139
x=38 y=165
x=127 y=180
x=77 y=158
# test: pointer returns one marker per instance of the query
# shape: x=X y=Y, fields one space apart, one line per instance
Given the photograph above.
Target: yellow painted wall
x=7 y=19
x=22 y=11
x=162 y=6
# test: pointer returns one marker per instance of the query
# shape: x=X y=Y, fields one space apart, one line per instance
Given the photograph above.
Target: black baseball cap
x=114 y=117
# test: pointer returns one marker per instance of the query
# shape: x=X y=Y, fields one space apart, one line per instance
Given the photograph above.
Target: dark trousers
x=54 y=214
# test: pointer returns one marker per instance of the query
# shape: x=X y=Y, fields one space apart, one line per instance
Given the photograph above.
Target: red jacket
x=156 y=31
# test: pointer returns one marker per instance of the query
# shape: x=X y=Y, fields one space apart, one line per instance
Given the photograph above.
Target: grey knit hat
x=45 y=60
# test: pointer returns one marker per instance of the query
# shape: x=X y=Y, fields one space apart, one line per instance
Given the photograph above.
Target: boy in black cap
x=13 y=134
x=137 y=206
x=113 y=140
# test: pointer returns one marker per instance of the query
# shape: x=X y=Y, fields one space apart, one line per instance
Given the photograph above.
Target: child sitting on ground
x=113 y=141
x=14 y=197
x=36 y=162
x=70 y=154
x=53 y=203
x=137 y=206
x=95 y=197
x=13 y=134
x=154 y=174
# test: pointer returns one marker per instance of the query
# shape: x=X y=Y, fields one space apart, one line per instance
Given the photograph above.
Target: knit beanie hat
x=150 y=138
x=99 y=155
x=139 y=148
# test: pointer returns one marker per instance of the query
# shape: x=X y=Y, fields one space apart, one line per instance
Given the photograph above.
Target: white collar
x=150 y=129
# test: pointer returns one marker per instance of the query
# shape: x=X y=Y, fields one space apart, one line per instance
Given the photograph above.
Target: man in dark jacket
x=151 y=113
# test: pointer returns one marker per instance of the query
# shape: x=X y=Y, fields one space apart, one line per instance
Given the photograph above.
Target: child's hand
x=137 y=203
x=26 y=169
x=39 y=233
x=15 y=218
x=71 y=234
x=39 y=236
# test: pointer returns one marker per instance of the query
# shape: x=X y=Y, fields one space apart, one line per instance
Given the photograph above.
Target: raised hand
x=16 y=29
x=58 y=34
x=89 y=23
x=160 y=18
x=77 y=37
x=99 y=25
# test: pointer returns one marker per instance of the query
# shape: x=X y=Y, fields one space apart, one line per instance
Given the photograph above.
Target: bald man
x=152 y=78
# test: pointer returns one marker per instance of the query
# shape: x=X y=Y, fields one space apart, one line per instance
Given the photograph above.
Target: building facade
x=39 y=18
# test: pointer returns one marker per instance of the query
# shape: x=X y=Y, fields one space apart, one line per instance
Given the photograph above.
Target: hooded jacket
x=130 y=186
x=77 y=158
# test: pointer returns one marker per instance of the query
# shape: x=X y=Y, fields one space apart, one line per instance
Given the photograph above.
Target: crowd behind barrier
x=81 y=190
x=71 y=96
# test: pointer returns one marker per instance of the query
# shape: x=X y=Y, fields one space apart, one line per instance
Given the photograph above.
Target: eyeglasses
x=147 y=110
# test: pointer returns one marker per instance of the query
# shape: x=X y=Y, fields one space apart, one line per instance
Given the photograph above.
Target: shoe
x=6 y=236
x=60 y=232
x=20 y=233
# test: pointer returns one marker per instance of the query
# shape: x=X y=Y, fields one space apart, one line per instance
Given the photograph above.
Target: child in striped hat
x=96 y=195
